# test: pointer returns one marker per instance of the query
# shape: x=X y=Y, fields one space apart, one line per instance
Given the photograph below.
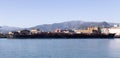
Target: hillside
x=71 y=25
x=63 y=25
x=6 y=29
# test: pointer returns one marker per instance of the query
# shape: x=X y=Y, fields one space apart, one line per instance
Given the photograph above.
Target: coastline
x=61 y=35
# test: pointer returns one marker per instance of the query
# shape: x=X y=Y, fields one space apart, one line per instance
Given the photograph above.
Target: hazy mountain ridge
x=63 y=25
x=72 y=25
x=6 y=29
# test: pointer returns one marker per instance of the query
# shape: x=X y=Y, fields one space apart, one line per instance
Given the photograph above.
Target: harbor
x=91 y=32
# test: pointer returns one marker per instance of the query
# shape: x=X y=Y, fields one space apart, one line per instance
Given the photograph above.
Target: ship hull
x=64 y=35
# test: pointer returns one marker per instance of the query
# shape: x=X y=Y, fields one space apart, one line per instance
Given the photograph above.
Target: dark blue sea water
x=60 y=48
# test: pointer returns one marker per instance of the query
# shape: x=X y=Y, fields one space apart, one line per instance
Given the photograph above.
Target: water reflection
x=114 y=48
x=60 y=48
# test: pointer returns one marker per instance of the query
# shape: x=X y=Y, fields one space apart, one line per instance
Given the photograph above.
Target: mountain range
x=63 y=25
x=6 y=29
x=73 y=25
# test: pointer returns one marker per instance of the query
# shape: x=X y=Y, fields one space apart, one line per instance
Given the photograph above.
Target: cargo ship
x=64 y=35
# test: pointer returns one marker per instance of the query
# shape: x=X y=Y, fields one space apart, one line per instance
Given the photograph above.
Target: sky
x=28 y=13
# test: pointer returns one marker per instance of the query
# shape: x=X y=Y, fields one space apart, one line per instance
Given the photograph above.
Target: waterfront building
x=115 y=30
x=105 y=30
x=10 y=33
x=35 y=31
x=25 y=32
x=19 y=31
x=116 y=25
x=67 y=31
x=57 y=30
x=64 y=31
x=89 y=30
x=13 y=33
